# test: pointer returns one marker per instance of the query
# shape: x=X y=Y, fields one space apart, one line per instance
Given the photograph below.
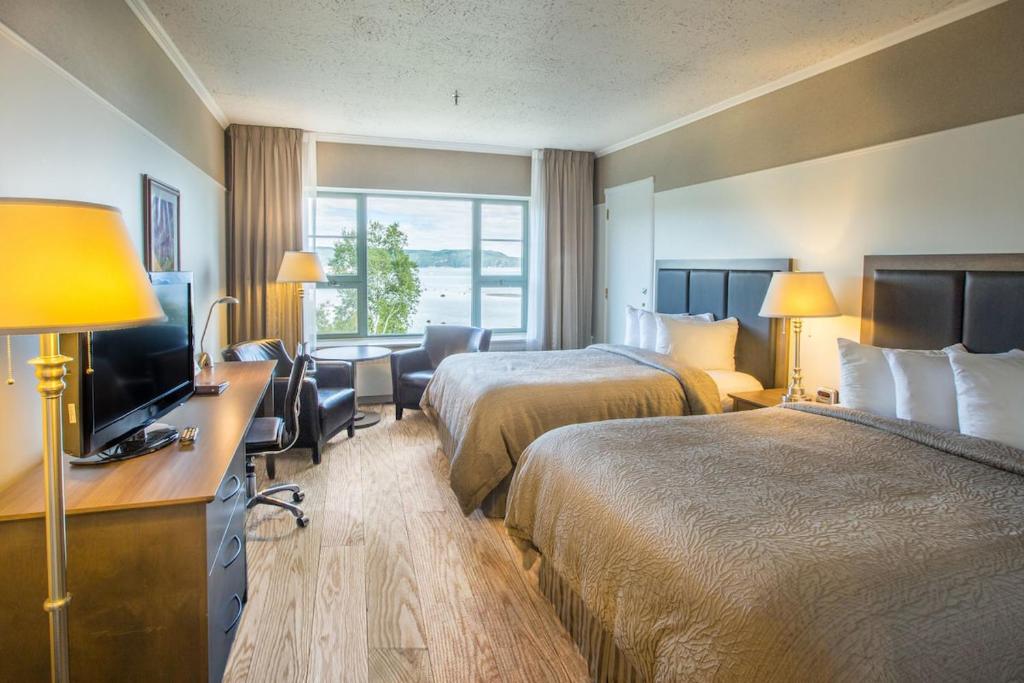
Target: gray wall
x=61 y=140
x=966 y=72
x=103 y=44
x=374 y=167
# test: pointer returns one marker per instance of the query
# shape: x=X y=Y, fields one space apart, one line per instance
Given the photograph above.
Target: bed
x=804 y=542
x=489 y=407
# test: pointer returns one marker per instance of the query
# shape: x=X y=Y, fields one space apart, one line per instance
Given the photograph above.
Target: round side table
x=355 y=355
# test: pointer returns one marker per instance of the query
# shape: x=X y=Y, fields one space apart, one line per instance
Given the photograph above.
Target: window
x=397 y=263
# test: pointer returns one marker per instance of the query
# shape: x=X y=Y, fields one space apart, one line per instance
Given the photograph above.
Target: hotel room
x=512 y=341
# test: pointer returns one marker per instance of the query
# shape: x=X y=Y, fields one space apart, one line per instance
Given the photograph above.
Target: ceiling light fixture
x=455 y=97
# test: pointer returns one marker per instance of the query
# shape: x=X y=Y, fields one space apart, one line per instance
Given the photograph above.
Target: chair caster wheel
x=298 y=497
x=302 y=522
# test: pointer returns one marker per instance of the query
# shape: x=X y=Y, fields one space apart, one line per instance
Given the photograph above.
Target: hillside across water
x=460 y=258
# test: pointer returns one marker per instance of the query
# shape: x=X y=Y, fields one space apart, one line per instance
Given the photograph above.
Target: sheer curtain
x=538 y=236
x=308 y=219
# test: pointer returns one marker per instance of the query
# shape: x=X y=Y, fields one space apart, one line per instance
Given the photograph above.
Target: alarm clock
x=827 y=395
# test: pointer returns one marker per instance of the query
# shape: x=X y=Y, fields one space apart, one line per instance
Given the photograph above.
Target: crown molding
x=163 y=39
x=423 y=144
x=924 y=26
x=19 y=42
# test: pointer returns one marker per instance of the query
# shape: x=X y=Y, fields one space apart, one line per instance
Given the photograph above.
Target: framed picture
x=162 y=229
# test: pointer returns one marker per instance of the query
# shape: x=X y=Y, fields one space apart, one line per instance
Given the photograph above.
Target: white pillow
x=632 y=326
x=649 y=326
x=990 y=394
x=865 y=380
x=699 y=343
x=924 y=386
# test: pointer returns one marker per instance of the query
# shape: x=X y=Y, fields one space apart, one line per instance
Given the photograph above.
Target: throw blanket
x=785 y=544
x=488 y=407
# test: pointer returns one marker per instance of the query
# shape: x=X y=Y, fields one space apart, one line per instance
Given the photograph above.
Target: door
x=629 y=252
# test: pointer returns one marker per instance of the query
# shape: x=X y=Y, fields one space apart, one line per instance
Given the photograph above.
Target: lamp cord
x=10 y=363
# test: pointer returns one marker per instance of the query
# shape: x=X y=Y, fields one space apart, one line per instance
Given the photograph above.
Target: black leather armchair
x=328 y=398
x=412 y=369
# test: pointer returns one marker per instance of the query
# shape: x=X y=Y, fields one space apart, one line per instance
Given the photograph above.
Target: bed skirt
x=605 y=661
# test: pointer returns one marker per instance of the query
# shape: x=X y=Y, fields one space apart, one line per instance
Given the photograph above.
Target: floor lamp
x=74 y=270
x=299 y=268
x=795 y=296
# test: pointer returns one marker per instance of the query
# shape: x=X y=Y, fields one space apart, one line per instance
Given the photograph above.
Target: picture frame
x=161 y=225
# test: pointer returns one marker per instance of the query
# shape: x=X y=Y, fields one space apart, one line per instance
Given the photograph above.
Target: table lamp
x=73 y=269
x=299 y=268
x=204 y=358
x=795 y=296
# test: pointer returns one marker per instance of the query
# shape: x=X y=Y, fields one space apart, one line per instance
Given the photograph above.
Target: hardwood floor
x=390 y=582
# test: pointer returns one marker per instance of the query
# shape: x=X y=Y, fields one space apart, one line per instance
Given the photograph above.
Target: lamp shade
x=301 y=266
x=799 y=295
x=69 y=267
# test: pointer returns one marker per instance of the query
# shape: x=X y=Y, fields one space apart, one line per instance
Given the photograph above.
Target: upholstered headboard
x=730 y=288
x=928 y=302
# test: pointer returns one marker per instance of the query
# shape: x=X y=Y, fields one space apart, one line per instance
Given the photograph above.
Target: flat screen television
x=137 y=375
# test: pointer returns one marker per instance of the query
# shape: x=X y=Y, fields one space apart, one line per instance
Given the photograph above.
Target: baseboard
x=376 y=400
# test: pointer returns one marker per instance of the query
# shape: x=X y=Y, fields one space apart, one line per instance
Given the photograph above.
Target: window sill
x=509 y=341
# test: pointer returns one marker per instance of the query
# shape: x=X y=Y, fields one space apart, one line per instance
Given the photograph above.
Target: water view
x=447 y=299
x=419 y=255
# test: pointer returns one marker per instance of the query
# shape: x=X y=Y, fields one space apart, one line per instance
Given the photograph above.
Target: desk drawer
x=226 y=591
x=218 y=511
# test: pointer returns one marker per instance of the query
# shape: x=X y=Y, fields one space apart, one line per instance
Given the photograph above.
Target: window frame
x=480 y=281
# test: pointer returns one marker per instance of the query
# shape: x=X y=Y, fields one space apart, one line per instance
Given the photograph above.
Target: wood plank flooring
x=390 y=582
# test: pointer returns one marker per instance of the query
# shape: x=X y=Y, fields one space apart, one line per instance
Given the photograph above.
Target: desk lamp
x=204 y=358
x=65 y=267
x=795 y=296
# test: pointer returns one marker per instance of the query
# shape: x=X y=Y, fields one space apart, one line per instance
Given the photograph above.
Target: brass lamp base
x=794 y=395
x=796 y=391
x=50 y=370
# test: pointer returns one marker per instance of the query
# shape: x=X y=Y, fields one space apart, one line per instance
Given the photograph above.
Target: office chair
x=269 y=436
x=328 y=396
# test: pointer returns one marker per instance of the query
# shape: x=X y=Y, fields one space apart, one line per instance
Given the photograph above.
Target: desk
x=156 y=551
x=355 y=355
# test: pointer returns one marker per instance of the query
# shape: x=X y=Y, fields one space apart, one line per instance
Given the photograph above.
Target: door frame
x=650 y=285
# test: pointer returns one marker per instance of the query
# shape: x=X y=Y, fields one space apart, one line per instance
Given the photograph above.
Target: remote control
x=189 y=435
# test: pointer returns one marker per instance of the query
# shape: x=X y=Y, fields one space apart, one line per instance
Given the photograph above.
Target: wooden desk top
x=171 y=476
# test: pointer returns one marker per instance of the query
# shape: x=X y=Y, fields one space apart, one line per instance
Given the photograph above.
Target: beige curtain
x=264 y=220
x=568 y=249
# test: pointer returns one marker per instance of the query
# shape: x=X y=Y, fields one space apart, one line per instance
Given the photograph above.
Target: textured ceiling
x=572 y=73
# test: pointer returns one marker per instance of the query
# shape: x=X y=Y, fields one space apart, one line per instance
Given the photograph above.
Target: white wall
x=959 y=190
x=59 y=140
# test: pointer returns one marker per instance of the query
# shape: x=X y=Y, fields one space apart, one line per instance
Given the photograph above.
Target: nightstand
x=752 y=400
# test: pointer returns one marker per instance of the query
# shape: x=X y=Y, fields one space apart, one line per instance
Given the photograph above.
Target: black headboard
x=928 y=302
x=730 y=288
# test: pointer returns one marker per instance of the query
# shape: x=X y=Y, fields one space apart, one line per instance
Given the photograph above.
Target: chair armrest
x=308 y=396
x=309 y=407
x=409 y=360
x=334 y=374
x=280 y=389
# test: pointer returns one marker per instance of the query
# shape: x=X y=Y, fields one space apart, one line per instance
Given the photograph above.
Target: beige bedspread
x=488 y=407
x=786 y=544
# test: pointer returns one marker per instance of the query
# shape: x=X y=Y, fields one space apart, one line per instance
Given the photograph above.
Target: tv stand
x=146 y=440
